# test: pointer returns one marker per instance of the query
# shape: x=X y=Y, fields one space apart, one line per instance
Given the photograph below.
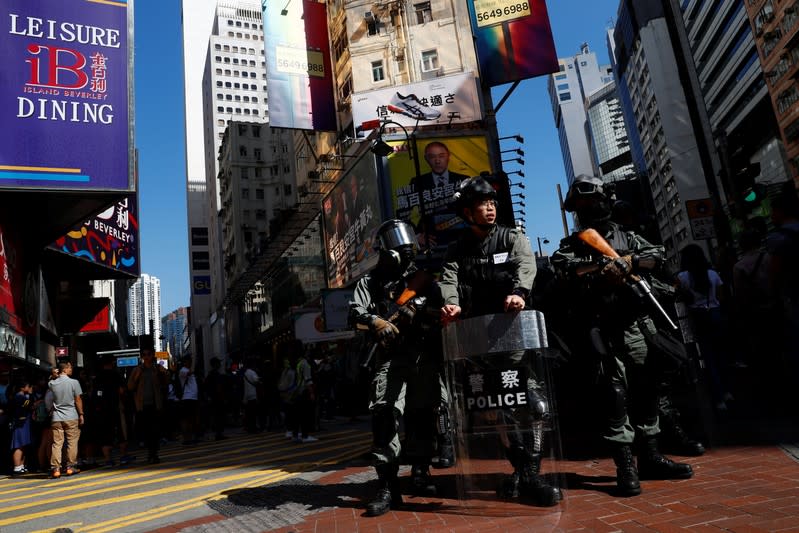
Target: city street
x=266 y=483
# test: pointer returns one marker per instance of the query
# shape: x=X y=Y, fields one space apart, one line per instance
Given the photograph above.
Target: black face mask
x=392 y=264
x=596 y=214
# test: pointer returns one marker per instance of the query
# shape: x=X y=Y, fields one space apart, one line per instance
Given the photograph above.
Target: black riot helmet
x=590 y=199
x=473 y=190
x=396 y=241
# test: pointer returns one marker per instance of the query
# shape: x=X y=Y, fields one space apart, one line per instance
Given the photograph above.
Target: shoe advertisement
x=440 y=100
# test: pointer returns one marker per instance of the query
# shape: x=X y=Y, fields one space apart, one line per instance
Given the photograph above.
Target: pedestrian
x=783 y=247
x=609 y=314
x=189 y=402
x=67 y=419
x=217 y=390
x=702 y=292
x=109 y=411
x=399 y=350
x=489 y=269
x=302 y=397
x=44 y=416
x=22 y=406
x=148 y=382
x=251 y=381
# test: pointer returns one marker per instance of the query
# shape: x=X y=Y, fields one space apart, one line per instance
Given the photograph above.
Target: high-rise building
x=775 y=30
x=669 y=118
x=173 y=328
x=144 y=307
x=608 y=141
x=224 y=79
x=579 y=76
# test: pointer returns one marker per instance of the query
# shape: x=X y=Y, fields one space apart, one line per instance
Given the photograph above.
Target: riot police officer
x=490 y=269
x=392 y=302
x=617 y=320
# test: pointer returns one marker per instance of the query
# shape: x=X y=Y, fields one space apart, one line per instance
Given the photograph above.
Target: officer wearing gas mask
x=393 y=301
x=490 y=269
x=615 y=321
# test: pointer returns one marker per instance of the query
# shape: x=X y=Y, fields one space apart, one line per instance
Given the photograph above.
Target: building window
x=257 y=153
x=199 y=236
x=429 y=60
x=259 y=194
x=565 y=96
x=200 y=261
x=245 y=193
x=257 y=172
x=242 y=148
x=423 y=12
x=256 y=132
x=346 y=87
x=563 y=86
x=377 y=71
x=245 y=173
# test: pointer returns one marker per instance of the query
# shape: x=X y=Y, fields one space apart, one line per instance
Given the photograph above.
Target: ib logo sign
x=202 y=285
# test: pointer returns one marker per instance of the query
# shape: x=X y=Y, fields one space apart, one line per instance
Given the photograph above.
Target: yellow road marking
x=41 y=169
x=130 y=497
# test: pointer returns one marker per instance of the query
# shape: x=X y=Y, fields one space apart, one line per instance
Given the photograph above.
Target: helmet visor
x=586 y=187
x=396 y=235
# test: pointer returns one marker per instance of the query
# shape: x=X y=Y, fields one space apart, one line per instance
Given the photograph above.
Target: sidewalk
x=735 y=488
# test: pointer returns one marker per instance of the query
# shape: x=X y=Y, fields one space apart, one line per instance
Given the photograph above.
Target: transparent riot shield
x=503 y=415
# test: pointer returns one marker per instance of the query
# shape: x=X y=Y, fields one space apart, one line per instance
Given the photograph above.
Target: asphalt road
x=142 y=497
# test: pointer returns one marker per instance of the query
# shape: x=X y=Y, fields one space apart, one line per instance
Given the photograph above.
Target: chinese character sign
x=486 y=389
x=426 y=201
x=298 y=68
x=445 y=100
x=110 y=239
x=351 y=215
x=65 y=104
x=513 y=40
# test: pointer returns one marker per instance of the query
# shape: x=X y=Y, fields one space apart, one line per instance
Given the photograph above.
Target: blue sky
x=160 y=136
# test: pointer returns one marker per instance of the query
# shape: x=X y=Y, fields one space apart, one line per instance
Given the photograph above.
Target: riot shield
x=503 y=413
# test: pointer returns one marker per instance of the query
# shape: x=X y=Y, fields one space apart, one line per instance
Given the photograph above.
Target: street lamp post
x=540 y=251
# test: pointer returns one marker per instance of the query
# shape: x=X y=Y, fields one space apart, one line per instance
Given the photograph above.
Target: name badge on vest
x=500 y=258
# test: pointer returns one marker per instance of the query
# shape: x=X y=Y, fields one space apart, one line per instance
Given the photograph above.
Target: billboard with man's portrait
x=351 y=216
x=426 y=201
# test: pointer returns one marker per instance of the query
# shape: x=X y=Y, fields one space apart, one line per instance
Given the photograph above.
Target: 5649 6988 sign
x=65 y=97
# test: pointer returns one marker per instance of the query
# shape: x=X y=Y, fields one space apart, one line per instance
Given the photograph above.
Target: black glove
x=384 y=329
x=616 y=271
x=406 y=313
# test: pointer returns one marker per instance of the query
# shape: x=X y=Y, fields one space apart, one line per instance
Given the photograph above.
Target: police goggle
x=586 y=187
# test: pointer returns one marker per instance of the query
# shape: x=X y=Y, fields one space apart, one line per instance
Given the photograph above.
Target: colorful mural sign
x=65 y=94
x=513 y=40
x=110 y=239
x=298 y=69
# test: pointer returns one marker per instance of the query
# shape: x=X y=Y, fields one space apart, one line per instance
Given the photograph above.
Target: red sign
x=62 y=351
x=99 y=324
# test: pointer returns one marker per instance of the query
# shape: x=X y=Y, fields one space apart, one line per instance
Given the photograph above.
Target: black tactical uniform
x=483 y=269
x=406 y=382
x=617 y=321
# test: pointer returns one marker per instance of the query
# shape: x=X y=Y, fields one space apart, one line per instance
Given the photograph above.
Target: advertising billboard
x=99 y=323
x=66 y=95
x=446 y=100
x=513 y=40
x=298 y=69
x=110 y=239
x=426 y=201
x=18 y=283
x=351 y=216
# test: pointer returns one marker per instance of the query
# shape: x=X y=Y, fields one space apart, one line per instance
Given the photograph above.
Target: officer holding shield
x=490 y=269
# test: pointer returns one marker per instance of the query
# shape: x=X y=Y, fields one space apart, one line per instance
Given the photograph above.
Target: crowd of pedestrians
x=62 y=425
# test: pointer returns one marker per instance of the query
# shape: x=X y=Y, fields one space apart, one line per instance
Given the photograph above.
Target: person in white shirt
x=189 y=403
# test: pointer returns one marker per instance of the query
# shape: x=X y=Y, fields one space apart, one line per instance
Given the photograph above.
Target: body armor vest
x=485 y=274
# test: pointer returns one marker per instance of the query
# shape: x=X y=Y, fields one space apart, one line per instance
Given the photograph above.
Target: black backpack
x=177 y=386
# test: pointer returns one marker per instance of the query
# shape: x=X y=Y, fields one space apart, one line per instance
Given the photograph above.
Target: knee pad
x=385 y=424
x=618 y=401
x=539 y=406
x=443 y=422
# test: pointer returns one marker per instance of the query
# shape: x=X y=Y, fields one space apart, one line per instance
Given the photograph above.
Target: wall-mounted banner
x=445 y=100
x=426 y=202
x=351 y=216
x=110 y=239
x=298 y=69
x=513 y=40
x=65 y=95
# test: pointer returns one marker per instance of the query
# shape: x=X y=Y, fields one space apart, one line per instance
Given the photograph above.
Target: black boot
x=535 y=487
x=675 y=440
x=654 y=465
x=421 y=481
x=446 y=451
x=626 y=473
x=388 y=495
